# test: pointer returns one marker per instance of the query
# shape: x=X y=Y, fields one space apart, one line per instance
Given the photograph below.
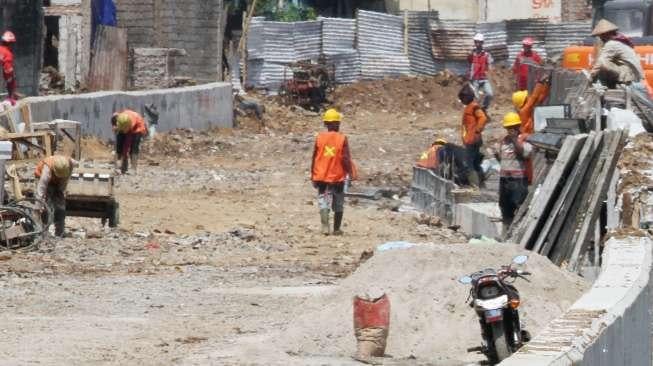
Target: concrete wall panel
x=199 y=107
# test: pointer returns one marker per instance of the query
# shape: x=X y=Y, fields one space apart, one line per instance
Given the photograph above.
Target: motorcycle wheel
x=500 y=342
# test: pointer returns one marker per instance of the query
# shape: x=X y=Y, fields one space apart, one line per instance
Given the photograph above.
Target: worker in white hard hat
x=53 y=174
x=7 y=63
x=480 y=62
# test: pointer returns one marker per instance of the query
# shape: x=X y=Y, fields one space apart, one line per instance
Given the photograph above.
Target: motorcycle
x=496 y=302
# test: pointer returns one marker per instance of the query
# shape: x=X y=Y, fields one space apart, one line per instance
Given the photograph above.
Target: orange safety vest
x=429 y=158
x=327 y=166
x=473 y=123
x=138 y=123
x=49 y=161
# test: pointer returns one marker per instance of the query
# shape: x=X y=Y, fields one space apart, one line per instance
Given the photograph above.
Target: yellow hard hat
x=123 y=123
x=519 y=98
x=62 y=167
x=440 y=141
x=511 y=119
x=332 y=116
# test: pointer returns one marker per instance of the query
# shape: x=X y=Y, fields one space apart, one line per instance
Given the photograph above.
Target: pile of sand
x=429 y=317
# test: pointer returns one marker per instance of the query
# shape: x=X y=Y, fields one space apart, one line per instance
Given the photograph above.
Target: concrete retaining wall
x=609 y=325
x=198 y=107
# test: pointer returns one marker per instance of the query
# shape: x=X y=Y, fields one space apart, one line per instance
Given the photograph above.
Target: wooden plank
x=610 y=156
x=26 y=113
x=549 y=190
x=549 y=233
x=109 y=64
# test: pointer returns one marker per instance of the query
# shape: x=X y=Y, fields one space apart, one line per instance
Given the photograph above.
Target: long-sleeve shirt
x=540 y=93
x=621 y=60
x=474 y=120
x=47 y=179
x=7 y=64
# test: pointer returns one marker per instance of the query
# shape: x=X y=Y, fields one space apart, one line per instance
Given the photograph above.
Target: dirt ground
x=219 y=242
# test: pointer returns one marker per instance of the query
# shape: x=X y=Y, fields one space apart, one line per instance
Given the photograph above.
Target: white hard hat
x=479 y=37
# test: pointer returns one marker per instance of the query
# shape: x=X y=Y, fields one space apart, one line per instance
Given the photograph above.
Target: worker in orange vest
x=513 y=153
x=429 y=158
x=473 y=123
x=7 y=63
x=130 y=128
x=525 y=58
x=53 y=174
x=332 y=166
x=525 y=105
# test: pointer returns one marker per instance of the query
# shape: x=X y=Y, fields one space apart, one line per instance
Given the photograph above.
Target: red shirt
x=520 y=68
x=7 y=63
x=480 y=64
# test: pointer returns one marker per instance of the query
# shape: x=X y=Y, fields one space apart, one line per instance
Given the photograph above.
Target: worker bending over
x=513 y=181
x=331 y=166
x=430 y=158
x=53 y=174
x=7 y=63
x=130 y=128
x=474 y=119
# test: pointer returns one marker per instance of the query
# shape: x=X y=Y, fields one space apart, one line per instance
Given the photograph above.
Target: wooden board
x=609 y=156
x=109 y=64
x=548 y=192
x=549 y=233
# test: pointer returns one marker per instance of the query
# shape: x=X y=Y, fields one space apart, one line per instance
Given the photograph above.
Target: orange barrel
x=577 y=57
x=646 y=55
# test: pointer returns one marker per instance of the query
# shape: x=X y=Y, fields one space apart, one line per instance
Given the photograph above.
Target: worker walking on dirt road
x=527 y=57
x=7 y=63
x=474 y=119
x=53 y=174
x=513 y=180
x=331 y=166
x=130 y=128
x=480 y=62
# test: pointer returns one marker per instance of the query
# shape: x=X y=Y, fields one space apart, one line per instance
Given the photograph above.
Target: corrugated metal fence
x=377 y=45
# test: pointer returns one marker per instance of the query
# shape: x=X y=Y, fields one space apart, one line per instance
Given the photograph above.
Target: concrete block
x=198 y=107
x=476 y=219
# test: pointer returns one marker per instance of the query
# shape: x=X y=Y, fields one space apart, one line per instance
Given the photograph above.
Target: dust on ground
x=219 y=238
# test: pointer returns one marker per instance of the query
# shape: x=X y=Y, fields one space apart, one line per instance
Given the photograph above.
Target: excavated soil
x=219 y=245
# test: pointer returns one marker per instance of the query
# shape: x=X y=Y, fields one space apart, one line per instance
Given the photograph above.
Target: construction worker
x=525 y=58
x=331 y=167
x=7 y=62
x=130 y=128
x=616 y=62
x=429 y=158
x=53 y=174
x=473 y=123
x=480 y=62
x=513 y=182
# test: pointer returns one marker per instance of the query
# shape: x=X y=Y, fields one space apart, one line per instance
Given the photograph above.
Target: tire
x=114 y=215
x=500 y=342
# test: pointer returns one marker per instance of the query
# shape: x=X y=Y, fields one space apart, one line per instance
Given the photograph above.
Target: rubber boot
x=324 y=218
x=134 y=162
x=59 y=222
x=473 y=178
x=125 y=165
x=337 y=222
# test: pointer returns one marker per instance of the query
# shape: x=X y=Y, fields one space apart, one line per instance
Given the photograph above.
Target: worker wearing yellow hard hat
x=513 y=153
x=331 y=167
x=53 y=174
x=526 y=103
x=130 y=128
x=429 y=159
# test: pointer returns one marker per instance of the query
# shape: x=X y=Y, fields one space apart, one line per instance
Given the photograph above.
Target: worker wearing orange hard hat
x=332 y=166
x=7 y=63
x=513 y=153
x=527 y=57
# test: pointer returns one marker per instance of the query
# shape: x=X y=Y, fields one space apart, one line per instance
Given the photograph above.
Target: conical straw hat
x=604 y=26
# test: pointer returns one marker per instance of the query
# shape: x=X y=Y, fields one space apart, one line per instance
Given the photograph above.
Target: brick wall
x=575 y=10
x=191 y=25
x=24 y=18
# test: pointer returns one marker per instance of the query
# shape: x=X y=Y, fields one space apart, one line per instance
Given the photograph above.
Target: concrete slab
x=199 y=107
x=479 y=218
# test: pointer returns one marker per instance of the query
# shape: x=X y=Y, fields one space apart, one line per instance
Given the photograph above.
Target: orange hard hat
x=8 y=36
x=528 y=41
